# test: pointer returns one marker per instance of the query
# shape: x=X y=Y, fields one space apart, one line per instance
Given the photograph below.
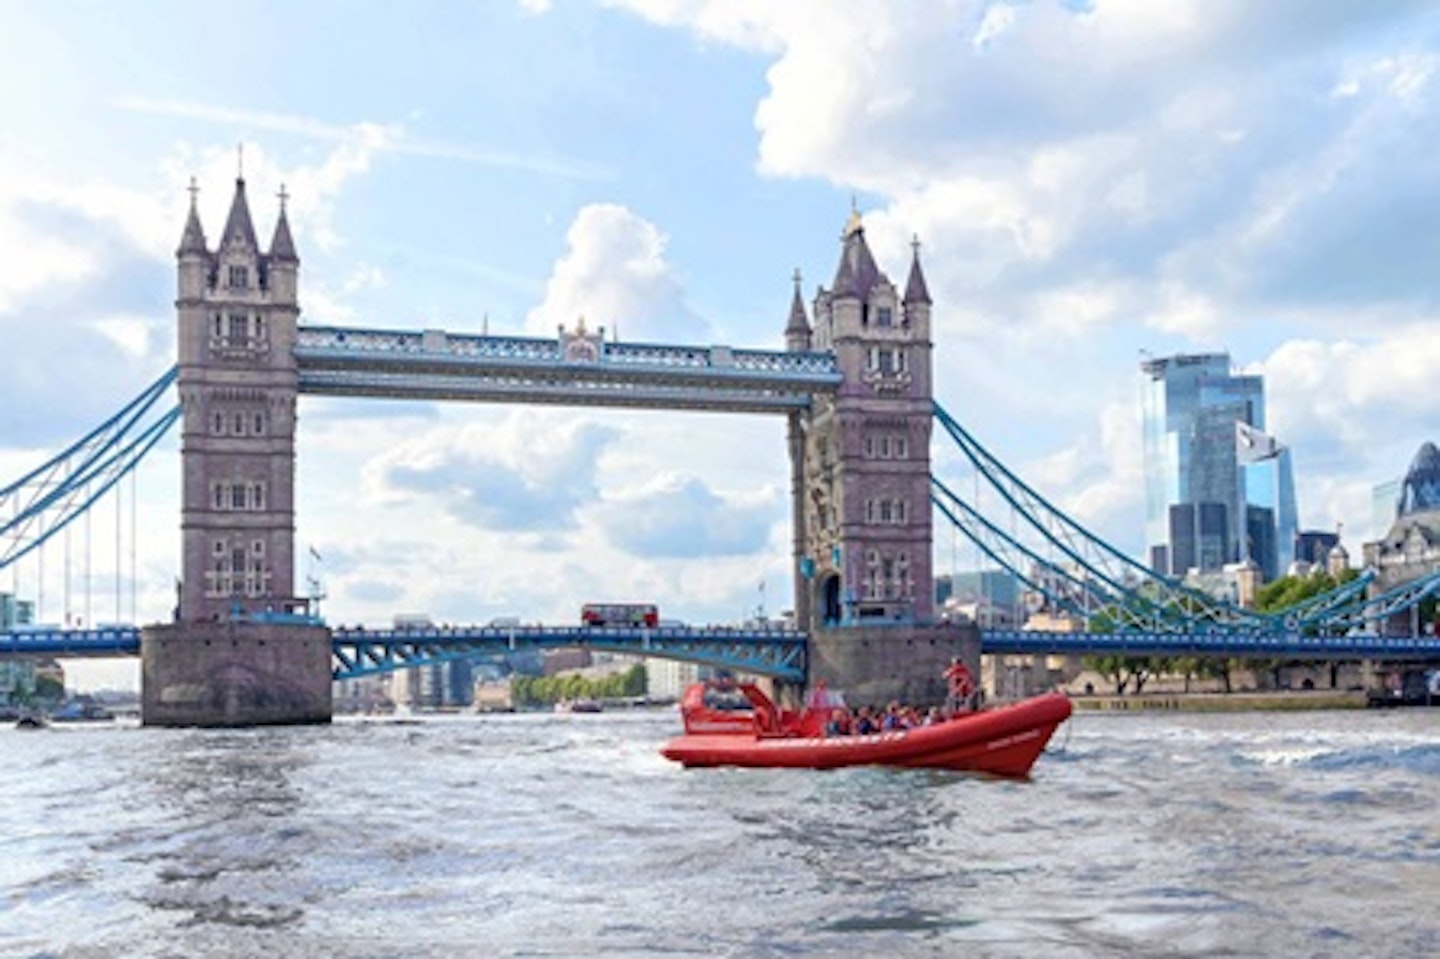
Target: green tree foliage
x=1286 y=591
x=49 y=689
x=534 y=691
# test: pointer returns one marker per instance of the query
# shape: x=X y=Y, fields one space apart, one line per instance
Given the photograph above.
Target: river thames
x=1241 y=834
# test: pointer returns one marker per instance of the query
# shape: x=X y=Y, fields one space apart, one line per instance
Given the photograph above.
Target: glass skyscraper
x=1206 y=502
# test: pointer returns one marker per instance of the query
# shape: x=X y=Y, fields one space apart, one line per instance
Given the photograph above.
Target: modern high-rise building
x=1217 y=488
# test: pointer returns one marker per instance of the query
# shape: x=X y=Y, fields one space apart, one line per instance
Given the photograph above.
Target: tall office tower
x=1217 y=489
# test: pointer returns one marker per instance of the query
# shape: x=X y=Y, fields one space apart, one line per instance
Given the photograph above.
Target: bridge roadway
x=359 y=651
x=780 y=653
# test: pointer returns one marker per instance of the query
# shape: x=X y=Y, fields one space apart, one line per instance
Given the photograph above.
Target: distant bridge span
x=781 y=654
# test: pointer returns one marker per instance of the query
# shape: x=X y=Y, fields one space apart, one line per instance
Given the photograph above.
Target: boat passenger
x=839 y=724
x=866 y=722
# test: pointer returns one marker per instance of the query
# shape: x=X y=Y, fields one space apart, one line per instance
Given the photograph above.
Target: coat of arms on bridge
x=581 y=346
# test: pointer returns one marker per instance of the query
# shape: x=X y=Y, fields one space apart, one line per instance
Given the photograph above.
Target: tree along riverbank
x=1226 y=702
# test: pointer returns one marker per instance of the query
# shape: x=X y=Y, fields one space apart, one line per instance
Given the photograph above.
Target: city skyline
x=1086 y=181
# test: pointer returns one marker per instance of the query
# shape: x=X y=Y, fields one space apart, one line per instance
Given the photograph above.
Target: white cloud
x=614 y=274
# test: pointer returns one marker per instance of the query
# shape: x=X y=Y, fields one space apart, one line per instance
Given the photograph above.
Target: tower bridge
x=854 y=384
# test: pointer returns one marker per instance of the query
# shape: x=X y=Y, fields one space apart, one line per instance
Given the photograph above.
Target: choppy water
x=1253 y=834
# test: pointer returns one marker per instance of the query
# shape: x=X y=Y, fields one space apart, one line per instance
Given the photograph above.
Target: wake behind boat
x=720 y=731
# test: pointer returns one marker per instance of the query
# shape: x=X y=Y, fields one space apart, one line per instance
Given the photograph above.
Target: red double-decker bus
x=620 y=614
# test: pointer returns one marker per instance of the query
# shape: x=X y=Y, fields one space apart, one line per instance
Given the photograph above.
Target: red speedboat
x=752 y=731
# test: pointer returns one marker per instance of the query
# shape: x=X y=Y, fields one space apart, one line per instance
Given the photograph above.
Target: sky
x=1090 y=183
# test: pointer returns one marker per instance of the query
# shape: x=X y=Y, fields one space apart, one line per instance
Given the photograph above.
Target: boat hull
x=1002 y=741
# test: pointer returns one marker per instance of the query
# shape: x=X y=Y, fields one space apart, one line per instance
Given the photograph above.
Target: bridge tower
x=864 y=544
x=860 y=463
x=238 y=384
x=235 y=654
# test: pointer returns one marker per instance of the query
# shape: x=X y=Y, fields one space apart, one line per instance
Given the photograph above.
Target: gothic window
x=873 y=584
x=257 y=547
x=883 y=316
x=902 y=448
x=239 y=424
x=238 y=333
x=259 y=424
x=217 y=326
x=218 y=548
x=217 y=497
x=217 y=423
x=886 y=360
x=237 y=495
x=257 y=496
x=885 y=511
x=869 y=447
x=884 y=447
x=900 y=512
x=239 y=278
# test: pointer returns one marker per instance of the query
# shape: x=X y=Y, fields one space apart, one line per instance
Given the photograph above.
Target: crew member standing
x=962 y=687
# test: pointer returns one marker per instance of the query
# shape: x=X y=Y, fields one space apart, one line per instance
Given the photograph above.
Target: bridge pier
x=873 y=664
x=235 y=673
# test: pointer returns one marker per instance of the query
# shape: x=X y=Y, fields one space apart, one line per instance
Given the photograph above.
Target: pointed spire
x=282 y=245
x=857 y=274
x=799 y=323
x=193 y=239
x=915 y=289
x=238 y=226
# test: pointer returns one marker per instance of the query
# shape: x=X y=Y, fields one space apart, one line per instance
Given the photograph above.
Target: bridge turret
x=916 y=305
x=284 y=262
x=193 y=256
x=797 y=330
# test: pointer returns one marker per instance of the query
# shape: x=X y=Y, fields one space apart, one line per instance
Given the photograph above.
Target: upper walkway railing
x=574 y=369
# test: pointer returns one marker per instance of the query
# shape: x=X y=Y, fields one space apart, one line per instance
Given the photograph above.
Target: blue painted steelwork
x=435 y=365
x=44 y=501
x=777 y=653
x=71 y=643
x=1218 y=643
x=361 y=652
x=1074 y=569
x=1080 y=573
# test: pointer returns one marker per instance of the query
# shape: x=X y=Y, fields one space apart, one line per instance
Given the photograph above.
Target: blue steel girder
x=435 y=365
x=1099 y=561
x=48 y=498
x=71 y=643
x=776 y=653
x=1370 y=609
x=1218 y=644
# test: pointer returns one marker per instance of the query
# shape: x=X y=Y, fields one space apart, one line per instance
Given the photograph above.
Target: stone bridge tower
x=238 y=382
x=863 y=538
x=860 y=463
x=236 y=654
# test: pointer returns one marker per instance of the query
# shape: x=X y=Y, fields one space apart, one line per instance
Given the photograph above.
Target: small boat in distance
x=32 y=721
x=1001 y=740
